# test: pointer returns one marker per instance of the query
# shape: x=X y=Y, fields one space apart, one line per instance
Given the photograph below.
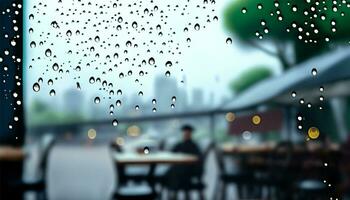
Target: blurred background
x=175 y=100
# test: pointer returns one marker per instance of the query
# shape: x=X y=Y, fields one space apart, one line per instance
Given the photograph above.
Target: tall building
x=197 y=99
x=164 y=89
x=73 y=100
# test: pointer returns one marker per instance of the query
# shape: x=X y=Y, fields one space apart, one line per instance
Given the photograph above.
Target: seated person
x=180 y=175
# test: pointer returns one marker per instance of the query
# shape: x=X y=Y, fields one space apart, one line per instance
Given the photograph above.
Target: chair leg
x=223 y=191
x=187 y=195
x=201 y=195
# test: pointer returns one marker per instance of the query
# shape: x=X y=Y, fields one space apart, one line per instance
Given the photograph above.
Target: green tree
x=250 y=77
x=306 y=26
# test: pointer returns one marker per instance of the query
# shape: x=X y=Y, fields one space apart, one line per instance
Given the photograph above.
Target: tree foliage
x=250 y=77
x=308 y=24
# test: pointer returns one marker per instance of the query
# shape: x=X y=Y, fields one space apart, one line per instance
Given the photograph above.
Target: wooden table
x=155 y=158
x=8 y=153
x=247 y=149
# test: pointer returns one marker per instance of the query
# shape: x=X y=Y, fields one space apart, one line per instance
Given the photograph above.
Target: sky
x=209 y=63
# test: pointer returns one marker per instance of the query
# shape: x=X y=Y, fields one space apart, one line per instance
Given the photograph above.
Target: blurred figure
x=187 y=145
x=180 y=177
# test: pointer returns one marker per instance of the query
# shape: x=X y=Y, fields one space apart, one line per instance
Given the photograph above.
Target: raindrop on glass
x=36 y=87
x=293 y=94
x=118 y=103
x=146 y=150
x=314 y=71
x=55 y=67
x=197 y=27
x=32 y=44
x=168 y=64
x=52 y=92
x=48 y=52
x=151 y=61
x=167 y=73
x=92 y=80
x=321 y=89
x=115 y=122
x=97 y=100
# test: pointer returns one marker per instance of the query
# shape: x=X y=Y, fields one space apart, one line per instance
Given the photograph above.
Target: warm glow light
x=92 y=133
x=230 y=116
x=256 y=119
x=133 y=131
x=313 y=132
x=119 y=141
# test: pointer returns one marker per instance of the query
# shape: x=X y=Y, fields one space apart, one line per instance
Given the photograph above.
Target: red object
x=271 y=120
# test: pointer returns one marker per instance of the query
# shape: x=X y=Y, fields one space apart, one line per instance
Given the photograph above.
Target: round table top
x=155 y=158
x=8 y=153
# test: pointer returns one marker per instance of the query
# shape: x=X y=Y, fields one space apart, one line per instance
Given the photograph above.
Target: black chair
x=310 y=185
x=39 y=186
x=194 y=183
x=131 y=186
x=241 y=179
x=278 y=177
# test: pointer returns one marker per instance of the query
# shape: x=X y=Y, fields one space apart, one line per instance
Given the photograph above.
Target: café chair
x=131 y=186
x=241 y=179
x=39 y=186
x=278 y=176
x=130 y=173
x=194 y=183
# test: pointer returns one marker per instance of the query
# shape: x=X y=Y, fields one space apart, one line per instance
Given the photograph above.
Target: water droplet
x=172 y=105
x=137 y=107
x=173 y=98
x=244 y=10
x=154 y=101
x=78 y=86
x=55 y=67
x=97 y=39
x=321 y=89
x=134 y=24
x=167 y=73
x=168 y=64
x=151 y=61
x=314 y=71
x=293 y=94
x=92 y=80
x=36 y=87
x=69 y=33
x=52 y=92
x=197 y=27
x=119 y=92
x=146 y=150
x=115 y=122
x=118 y=103
x=32 y=44
x=97 y=100
x=154 y=109
x=228 y=41
x=48 y=52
